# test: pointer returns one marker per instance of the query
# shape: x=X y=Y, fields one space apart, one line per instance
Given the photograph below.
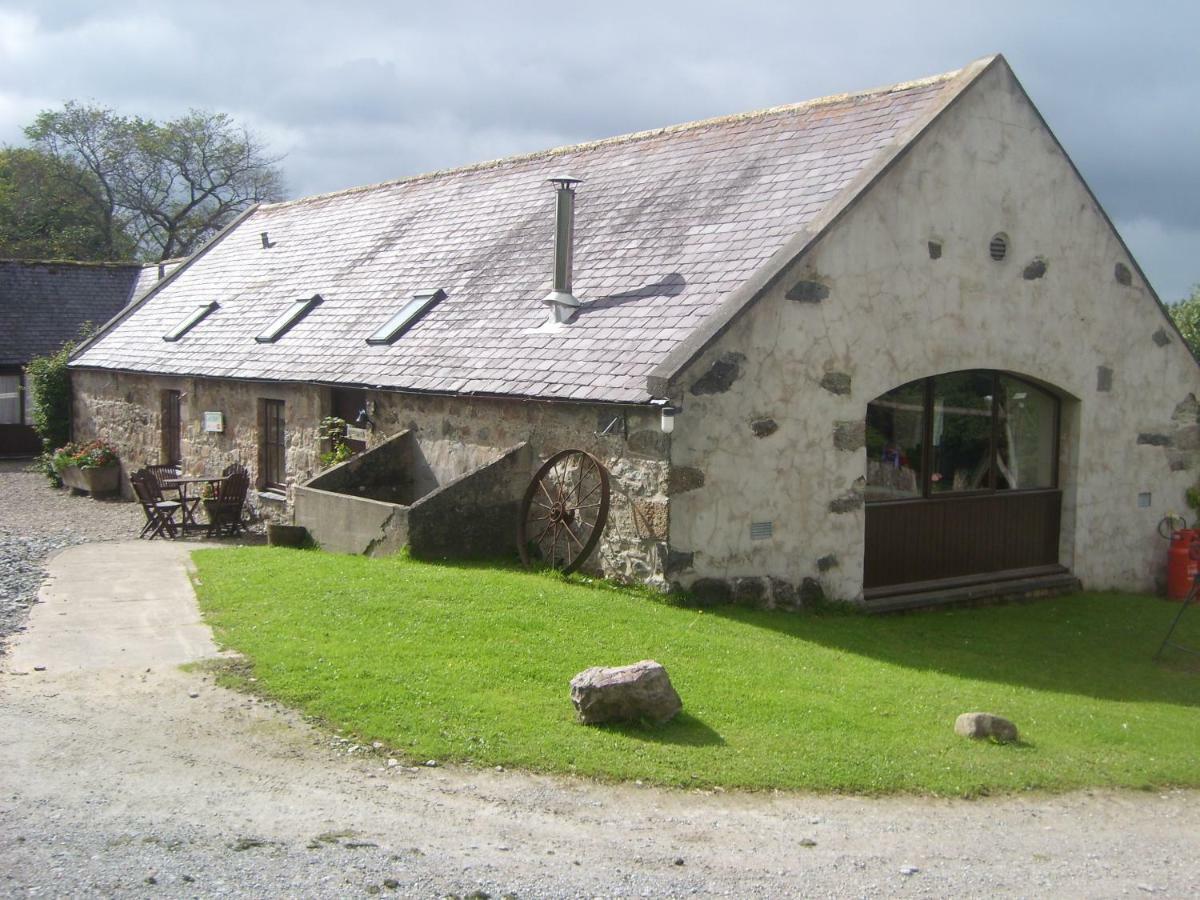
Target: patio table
x=182 y=485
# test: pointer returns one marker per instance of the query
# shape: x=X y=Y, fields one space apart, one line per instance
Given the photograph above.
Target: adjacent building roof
x=669 y=224
x=45 y=304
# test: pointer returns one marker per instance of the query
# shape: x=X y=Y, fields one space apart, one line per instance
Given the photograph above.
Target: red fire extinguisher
x=1183 y=562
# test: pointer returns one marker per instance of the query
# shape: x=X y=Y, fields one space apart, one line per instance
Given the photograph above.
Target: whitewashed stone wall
x=901 y=288
x=461 y=432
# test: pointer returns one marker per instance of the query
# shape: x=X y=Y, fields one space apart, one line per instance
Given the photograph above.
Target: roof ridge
x=828 y=100
x=80 y=263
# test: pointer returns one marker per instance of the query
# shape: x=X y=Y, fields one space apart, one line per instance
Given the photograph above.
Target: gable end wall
x=772 y=411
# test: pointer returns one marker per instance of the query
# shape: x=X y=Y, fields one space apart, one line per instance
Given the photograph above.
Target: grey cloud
x=363 y=91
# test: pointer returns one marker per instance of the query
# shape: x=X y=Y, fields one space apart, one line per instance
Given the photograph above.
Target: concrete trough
x=438 y=498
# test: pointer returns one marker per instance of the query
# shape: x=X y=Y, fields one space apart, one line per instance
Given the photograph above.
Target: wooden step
x=1031 y=588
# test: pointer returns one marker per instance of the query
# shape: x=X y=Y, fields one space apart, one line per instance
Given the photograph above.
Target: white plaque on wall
x=214 y=421
x=356 y=434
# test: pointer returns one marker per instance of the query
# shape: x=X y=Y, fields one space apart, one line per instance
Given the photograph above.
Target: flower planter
x=94 y=480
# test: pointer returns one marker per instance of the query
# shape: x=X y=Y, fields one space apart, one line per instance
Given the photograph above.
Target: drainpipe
x=561 y=301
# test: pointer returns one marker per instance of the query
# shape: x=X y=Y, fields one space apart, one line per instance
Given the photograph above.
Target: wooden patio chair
x=225 y=514
x=163 y=472
x=160 y=513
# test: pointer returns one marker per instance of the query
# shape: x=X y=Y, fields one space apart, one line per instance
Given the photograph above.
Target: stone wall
x=127 y=410
x=457 y=434
x=904 y=287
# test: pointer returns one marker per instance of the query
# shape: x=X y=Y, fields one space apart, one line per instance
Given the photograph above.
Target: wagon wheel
x=564 y=510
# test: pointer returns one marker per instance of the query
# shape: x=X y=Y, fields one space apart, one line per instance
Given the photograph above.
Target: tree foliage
x=162 y=189
x=1186 y=314
x=43 y=215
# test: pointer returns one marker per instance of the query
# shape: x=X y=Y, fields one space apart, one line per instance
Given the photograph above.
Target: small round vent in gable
x=998 y=248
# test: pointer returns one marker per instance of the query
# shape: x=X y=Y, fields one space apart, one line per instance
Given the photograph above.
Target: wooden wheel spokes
x=564 y=510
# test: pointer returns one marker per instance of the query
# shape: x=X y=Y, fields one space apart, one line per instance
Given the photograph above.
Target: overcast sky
x=355 y=92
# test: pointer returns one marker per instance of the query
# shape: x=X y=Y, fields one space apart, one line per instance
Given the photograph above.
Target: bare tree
x=169 y=187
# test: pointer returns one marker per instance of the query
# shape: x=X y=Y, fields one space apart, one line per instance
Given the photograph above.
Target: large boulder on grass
x=985 y=725
x=633 y=693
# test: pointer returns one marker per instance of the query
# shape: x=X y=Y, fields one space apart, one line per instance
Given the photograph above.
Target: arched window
x=961 y=433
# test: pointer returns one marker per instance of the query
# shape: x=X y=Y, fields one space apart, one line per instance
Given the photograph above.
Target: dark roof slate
x=44 y=304
x=668 y=223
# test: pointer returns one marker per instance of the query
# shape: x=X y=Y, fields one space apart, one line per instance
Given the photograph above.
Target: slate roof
x=668 y=224
x=152 y=274
x=44 y=304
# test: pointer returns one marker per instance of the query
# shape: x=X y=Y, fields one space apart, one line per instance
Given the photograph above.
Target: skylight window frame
x=194 y=318
x=404 y=319
x=286 y=320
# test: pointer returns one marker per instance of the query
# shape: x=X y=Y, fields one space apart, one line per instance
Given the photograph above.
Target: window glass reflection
x=10 y=399
x=962 y=432
x=895 y=436
x=1025 y=438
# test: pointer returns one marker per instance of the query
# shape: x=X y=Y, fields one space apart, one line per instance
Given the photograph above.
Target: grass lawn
x=472 y=663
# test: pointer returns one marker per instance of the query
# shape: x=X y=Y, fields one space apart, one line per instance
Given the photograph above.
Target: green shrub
x=333 y=429
x=50 y=382
x=51 y=385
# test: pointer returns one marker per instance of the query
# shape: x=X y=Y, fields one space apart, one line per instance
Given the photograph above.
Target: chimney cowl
x=561 y=301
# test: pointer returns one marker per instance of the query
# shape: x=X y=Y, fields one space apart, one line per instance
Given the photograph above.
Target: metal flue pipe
x=561 y=301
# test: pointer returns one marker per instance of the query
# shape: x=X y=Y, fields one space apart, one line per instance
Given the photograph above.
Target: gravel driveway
x=37 y=521
x=124 y=775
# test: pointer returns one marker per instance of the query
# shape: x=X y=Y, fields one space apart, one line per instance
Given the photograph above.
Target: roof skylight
x=289 y=317
x=192 y=319
x=408 y=314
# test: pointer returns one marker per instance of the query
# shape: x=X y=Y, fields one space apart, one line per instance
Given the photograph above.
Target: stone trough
x=441 y=499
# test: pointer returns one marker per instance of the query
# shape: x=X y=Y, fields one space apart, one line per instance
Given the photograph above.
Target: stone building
x=882 y=346
x=42 y=306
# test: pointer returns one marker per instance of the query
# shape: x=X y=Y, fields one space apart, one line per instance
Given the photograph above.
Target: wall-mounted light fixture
x=669 y=412
x=364 y=420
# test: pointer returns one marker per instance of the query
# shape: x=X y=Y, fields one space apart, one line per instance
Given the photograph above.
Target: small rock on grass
x=641 y=691
x=985 y=725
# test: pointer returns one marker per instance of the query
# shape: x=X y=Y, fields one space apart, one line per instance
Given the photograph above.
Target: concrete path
x=116 y=606
x=124 y=775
